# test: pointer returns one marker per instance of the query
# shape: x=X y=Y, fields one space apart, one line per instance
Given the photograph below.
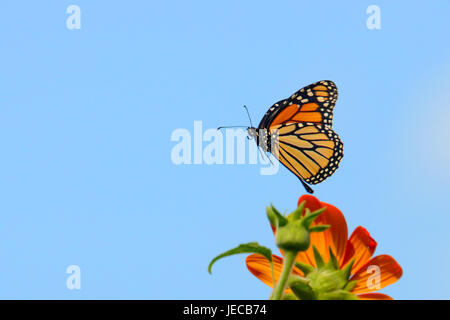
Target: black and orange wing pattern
x=305 y=142
x=311 y=104
x=310 y=151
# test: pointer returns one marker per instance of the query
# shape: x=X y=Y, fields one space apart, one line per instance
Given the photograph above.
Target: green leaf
x=251 y=247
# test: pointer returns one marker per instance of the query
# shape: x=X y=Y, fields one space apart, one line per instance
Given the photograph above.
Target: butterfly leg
x=268 y=158
x=264 y=155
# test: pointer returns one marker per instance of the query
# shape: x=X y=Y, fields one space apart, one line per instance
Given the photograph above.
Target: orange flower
x=369 y=274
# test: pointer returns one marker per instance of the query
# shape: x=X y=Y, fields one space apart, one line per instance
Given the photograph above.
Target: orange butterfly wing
x=306 y=144
x=310 y=151
x=311 y=104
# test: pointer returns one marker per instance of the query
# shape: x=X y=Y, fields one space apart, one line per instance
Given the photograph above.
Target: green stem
x=288 y=264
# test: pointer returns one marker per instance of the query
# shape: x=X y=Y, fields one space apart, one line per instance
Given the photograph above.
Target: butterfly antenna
x=224 y=127
x=248 y=114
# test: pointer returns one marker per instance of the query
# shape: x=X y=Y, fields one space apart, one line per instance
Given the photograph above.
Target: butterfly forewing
x=311 y=104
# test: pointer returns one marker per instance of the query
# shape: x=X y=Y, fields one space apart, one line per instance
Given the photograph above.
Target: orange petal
x=374 y=296
x=260 y=268
x=335 y=237
x=360 y=247
x=376 y=274
x=312 y=203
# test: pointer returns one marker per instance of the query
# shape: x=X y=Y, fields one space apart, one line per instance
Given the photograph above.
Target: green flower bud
x=325 y=282
x=292 y=237
x=293 y=232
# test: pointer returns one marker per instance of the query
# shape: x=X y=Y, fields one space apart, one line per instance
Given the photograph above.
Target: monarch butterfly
x=297 y=131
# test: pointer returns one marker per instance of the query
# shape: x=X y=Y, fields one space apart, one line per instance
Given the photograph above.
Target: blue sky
x=86 y=118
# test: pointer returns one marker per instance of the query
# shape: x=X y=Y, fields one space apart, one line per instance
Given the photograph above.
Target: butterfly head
x=252 y=133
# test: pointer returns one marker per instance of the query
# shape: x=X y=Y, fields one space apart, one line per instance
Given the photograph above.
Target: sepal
x=301 y=288
x=338 y=295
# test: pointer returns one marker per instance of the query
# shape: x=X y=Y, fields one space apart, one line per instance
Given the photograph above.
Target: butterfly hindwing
x=311 y=151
